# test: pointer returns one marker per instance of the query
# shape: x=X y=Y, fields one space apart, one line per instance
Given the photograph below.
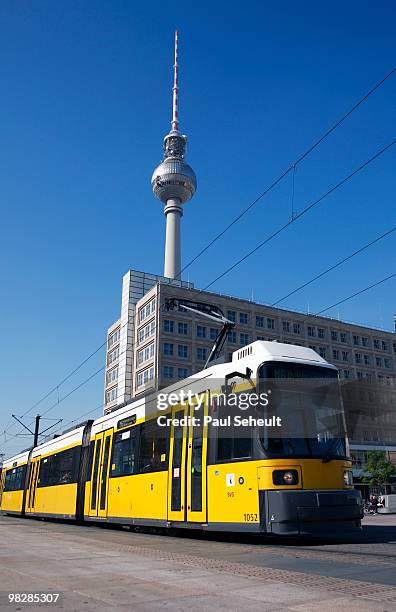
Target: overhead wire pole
x=36 y=433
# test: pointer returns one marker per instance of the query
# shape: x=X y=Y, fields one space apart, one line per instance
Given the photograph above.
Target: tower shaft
x=173 y=211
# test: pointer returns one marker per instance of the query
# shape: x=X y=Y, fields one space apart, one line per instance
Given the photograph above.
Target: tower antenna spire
x=175 y=102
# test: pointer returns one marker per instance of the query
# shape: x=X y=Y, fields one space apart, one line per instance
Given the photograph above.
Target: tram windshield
x=308 y=403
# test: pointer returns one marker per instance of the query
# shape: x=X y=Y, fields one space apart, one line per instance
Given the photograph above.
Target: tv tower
x=174 y=181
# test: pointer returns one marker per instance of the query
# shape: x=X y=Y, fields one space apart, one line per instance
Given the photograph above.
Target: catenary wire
x=303 y=212
x=289 y=169
x=349 y=297
x=336 y=265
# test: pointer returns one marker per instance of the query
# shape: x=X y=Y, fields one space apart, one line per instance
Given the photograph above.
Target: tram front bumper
x=310 y=512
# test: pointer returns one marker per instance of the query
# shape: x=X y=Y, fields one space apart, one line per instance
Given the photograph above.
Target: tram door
x=187 y=473
x=100 y=473
x=33 y=481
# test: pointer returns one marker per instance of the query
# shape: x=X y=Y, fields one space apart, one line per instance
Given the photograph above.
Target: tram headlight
x=348 y=478
x=285 y=477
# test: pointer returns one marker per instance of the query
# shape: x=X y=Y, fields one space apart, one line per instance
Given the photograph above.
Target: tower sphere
x=174 y=179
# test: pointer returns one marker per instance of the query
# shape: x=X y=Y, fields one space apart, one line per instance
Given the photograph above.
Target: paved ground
x=101 y=569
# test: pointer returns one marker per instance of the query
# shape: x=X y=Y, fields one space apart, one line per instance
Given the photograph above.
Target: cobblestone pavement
x=99 y=568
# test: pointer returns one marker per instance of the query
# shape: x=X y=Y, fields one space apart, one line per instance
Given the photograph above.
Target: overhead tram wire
x=276 y=182
x=62 y=399
x=292 y=167
x=303 y=212
x=5 y=432
x=349 y=297
x=56 y=387
x=339 y=263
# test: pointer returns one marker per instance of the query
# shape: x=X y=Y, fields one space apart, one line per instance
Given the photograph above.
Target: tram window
x=123 y=459
x=154 y=447
x=15 y=479
x=60 y=468
x=90 y=460
x=234 y=442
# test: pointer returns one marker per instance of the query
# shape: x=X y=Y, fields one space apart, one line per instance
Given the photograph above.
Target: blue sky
x=86 y=102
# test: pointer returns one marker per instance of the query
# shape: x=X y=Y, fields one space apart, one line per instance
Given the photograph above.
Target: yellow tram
x=181 y=458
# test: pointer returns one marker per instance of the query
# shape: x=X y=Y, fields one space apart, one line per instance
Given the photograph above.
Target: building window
x=336 y=354
x=270 y=323
x=147 y=310
x=358 y=358
x=347 y=374
x=259 y=321
x=182 y=351
x=111 y=395
x=387 y=362
x=201 y=353
x=169 y=326
x=201 y=331
x=243 y=318
x=356 y=340
x=231 y=315
x=366 y=359
x=384 y=345
x=296 y=328
x=286 y=326
x=365 y=341
x=343 y=337
x=182 y=372
x=113 y=355
x=360 y=375
x=112 y=376
x=168 y=371
x=345 y=356
x=144 y=376
x=113 y=338
x=378 y=362
x=145 y=354
x=334 y=335
x=394 y=347
x=311 y=331
x=376 y=344
x=168 y=349
x=321 y=332
x=260 y=337
x=182 y=328
x=244 y=339
x=146 y=331
x=322 y=352
x=231 y=337
x=213 y=333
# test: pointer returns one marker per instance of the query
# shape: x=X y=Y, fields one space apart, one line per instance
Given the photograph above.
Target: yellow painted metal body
x=141 y=496
x=11 y=501
x=233 y=487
